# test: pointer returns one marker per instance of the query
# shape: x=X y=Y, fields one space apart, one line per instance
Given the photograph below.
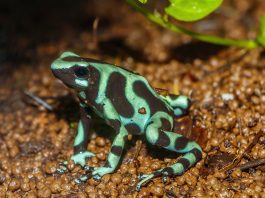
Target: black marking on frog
x=155 y=104
x=163 y=140
x=133 y=128
x=116 y=150
x=116 y=93
x=181 y=143
x=185 y=163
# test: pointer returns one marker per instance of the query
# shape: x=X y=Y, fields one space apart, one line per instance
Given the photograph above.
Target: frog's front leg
x=156 y=135
x=115 y=152
x=82 y=137
x=81 y=140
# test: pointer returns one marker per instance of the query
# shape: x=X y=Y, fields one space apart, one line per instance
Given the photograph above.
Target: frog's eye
x=80 y=71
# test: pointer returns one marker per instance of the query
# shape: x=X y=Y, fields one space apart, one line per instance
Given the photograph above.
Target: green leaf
x=143 y=1
x=191 y=10
x=261 y=36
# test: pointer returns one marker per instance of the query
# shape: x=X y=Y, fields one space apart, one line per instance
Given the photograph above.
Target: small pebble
x=100 y=141
x=50 y=167
x=81 y=195
x=44 y=192
x=116 y=178
x=14 y=184
x=157 y=190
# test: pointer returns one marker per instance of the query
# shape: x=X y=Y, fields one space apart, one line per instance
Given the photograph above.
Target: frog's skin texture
x=127 y=103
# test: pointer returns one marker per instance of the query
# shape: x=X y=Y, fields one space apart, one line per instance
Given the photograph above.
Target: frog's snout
x=55 y=65
x=68 y=54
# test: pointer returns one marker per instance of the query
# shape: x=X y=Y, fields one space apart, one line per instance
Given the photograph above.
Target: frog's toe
x=62 y=170
x=101 y=171
x=82 y=179
x=97 y=177
x=63 y=167
x=88 y=168
x=80 y=158
x=164 y=178
x=143 y=179
x=97 y=174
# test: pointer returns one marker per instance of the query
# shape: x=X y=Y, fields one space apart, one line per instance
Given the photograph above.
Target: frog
x=127 y=103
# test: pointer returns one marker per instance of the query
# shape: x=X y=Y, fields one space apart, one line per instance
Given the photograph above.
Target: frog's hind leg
x=157 y=135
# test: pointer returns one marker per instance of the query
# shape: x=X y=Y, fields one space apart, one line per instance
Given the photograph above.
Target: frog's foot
x=97 y=174
x=143 y=179
x=85 y=177
x=82 y=179
x=101 y=171
x=63 y=167
x=80 y=158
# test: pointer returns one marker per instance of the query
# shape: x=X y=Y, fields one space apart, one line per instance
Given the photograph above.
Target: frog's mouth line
x=66 y=77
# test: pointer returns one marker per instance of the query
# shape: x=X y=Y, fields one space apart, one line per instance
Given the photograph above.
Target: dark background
x=25 y=24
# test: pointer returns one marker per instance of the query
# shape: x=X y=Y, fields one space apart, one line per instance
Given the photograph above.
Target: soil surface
x=226 y=85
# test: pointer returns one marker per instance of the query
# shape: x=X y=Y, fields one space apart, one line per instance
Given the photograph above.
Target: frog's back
x=110 y=88
x=136 y=89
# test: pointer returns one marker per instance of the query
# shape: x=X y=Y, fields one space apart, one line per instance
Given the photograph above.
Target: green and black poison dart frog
x=128 y=104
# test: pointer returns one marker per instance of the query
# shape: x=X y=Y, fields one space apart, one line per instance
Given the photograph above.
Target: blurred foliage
x=192 y=10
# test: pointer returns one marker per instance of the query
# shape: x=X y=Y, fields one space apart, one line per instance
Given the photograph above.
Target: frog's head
x=72 y=70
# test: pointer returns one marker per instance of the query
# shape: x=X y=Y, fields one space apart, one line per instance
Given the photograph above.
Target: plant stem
x=156 y=18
